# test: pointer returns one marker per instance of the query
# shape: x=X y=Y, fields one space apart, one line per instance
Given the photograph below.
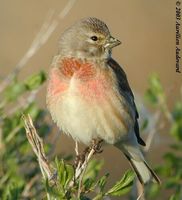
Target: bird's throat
x=70 y=67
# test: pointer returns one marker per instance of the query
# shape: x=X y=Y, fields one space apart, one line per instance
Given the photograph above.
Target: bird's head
x=88 y=38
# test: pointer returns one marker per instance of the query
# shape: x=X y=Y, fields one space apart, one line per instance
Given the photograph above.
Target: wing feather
x=126 y=91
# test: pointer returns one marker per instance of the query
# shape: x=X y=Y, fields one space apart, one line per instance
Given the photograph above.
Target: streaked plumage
x=89 y=96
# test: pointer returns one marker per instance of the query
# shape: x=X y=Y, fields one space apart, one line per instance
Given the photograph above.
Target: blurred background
x=147 y=32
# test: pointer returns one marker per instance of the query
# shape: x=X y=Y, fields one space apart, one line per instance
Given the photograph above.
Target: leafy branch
x=69 y=182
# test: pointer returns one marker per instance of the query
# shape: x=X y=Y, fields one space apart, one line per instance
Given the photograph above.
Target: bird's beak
x=111 y=42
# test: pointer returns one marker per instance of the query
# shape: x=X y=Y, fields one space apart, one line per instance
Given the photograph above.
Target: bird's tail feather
x=140 y=166
x=143 y=171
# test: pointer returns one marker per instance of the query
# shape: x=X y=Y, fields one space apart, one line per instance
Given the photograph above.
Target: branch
x=38 y=148
x=95 y=147
x=48 y=172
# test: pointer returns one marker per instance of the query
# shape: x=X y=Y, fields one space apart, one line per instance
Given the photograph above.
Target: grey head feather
x=76 y=42
x=96 y=25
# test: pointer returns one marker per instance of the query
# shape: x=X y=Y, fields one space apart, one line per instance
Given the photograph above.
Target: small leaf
x=88 y=184
x=65 y=173
x=35 y=81
x=177 y=112
x=102 y=181
x=60 y=172
x=14 y=91
x=155 y=84
x=94 y=166
x=123 y=186
x=52 y=190
x=70 y=173
x=151 y=97
x=155 y=92
x=13 y=191
x=176 y=130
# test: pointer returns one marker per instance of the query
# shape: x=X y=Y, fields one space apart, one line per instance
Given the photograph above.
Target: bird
x=89 y=96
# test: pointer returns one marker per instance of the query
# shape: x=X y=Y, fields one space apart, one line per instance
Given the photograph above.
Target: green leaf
x=123 y=186
x=52 y=191
x=177 y=112
x=61 y=173
x=14 y=90
x=65 y=173
x=88 y=184
x=151 y=97
x=12 y=191
x=155 y=84
x=35 y=81
x=155 y=92
x=176 y=130
x=94 y=166
x=102 y=182
x=92 y=170
x=69 y=173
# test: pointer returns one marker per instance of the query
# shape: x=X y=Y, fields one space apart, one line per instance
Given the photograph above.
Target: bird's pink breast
x=90 y=84
x=94 y=89
x=56 y=84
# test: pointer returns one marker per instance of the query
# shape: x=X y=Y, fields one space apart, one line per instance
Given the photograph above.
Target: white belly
x=85 y=120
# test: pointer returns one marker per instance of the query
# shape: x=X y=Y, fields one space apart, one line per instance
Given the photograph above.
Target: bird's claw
x=53 y=178
x=96 y=145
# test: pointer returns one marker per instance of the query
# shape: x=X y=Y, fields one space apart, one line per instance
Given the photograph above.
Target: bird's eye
x=94 y=38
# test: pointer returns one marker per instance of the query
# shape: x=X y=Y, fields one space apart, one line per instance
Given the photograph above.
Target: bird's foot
x=96 y=145
x=53 y=178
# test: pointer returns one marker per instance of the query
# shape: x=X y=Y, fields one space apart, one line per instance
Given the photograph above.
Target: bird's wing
x=126 y=91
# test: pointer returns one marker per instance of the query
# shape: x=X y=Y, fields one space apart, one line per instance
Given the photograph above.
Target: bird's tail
x=138 y=163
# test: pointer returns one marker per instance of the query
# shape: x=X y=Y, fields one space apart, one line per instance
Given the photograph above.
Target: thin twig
x=76 y=148
x=37 y=146
x=81 y=171
x=81 y=167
